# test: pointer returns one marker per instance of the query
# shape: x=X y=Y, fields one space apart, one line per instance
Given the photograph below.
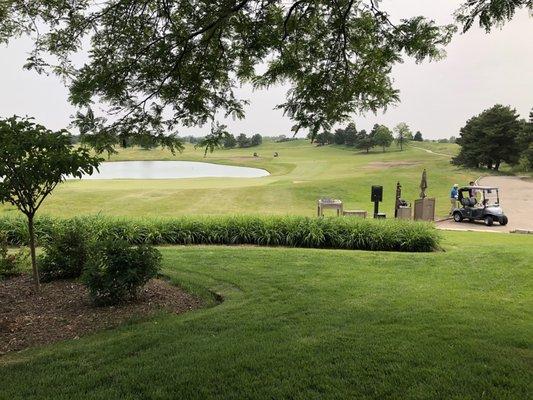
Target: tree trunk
x=497 y=166
x=31 y=230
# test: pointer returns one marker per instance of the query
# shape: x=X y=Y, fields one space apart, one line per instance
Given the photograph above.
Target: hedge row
x=291 y=231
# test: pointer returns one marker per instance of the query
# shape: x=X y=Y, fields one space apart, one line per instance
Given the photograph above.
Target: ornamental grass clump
x=290 y=231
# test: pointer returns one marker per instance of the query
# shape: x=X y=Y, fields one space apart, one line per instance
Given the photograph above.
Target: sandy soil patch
x=62 y=310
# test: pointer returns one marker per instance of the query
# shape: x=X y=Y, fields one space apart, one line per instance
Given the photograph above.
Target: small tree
x=403 y=134
x=350 y=135
x=324 y=138
x=339 y=137
x=230 y=142
x=243 y=141
x=383 y=137
x=418 y=137
x=364 y=141
x=256 y=140
x=33 y=161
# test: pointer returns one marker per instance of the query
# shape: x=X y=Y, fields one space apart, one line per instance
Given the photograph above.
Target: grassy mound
x=291 y=231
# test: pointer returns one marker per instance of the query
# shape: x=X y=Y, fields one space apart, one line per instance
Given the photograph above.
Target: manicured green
x=301 y=174
x=313 y=324
x=296 y=231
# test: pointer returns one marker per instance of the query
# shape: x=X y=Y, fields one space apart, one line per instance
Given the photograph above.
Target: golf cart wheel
x=489 y=220
x=457 y=217
x=504 y=220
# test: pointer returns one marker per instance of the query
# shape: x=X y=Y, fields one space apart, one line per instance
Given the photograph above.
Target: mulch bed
x=62 y=310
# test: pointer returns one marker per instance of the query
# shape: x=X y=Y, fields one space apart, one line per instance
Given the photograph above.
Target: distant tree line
x=452 y=139
x=496 y=136
x=242 y=141
x=380 y=136
x=229 y=141
x=283 y=138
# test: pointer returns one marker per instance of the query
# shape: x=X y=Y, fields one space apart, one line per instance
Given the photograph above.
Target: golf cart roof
x=479 y=188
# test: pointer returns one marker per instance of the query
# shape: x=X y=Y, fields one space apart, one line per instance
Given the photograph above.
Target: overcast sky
x=436 y=98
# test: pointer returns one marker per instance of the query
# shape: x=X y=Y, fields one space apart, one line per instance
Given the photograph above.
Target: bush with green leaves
x=290 y=231
x=65 y=253
x=116 y=271
x=11 y=264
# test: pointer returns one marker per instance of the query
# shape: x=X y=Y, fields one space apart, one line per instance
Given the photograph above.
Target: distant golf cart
x=487 y=210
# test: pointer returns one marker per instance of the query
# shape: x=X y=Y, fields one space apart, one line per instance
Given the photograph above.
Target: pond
x=172 y=170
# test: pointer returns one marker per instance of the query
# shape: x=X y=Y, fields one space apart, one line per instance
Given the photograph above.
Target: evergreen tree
x=374 y=130
x=351 y=137
x=490 y=138
x=339 y=137
x=525 y=142
x=418 y=137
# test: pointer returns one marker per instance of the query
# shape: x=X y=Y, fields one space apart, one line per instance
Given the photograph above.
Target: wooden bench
x=355 y=213
x=329 y=203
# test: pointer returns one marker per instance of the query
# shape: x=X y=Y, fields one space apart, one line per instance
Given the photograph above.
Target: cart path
x=432 y=152
x=516 y=198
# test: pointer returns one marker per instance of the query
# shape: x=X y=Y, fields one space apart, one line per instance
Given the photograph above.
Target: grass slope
x=313 y=324
x=300 y=175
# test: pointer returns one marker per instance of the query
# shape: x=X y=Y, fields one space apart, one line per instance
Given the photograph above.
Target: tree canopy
x=489 y=13
x=215 y=140
x=155 y=65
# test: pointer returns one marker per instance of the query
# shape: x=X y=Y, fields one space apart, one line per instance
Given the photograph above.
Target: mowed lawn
x=313 y=324
x=300 y=175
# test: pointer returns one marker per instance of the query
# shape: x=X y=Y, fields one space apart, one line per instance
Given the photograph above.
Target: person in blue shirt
x=454 y=194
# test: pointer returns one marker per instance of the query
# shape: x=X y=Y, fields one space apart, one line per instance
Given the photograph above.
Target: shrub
x=291 y=231
x=65 y=253
x=116 y=271
x=11 y=264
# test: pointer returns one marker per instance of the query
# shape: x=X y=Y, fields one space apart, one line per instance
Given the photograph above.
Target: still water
x=172 y=170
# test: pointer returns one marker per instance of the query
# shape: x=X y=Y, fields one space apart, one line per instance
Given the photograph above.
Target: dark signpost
x=377 y=196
